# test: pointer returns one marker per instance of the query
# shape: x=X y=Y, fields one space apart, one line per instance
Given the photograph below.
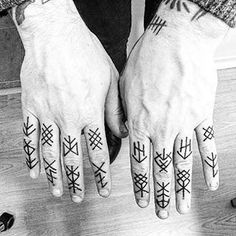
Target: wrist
x=189 y=18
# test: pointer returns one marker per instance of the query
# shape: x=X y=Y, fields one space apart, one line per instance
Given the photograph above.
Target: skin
x=168 y=90
x=68 y=81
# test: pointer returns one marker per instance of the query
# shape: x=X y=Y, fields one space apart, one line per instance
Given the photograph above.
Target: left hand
x=168 y=90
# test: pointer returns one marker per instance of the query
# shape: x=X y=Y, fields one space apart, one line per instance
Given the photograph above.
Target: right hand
x=68 y=83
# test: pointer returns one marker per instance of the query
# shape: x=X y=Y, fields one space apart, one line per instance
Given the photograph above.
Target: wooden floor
x=38 y=213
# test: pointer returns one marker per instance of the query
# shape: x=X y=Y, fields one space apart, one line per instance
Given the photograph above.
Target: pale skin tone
x=167 y=89
x=68 y=81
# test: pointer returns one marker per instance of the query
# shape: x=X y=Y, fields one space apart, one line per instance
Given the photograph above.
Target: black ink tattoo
x=163 y=195
x=157 y=24
x=95 y=139
x=100 y=174
x=163 y=160
x=178 y=4
x=50 y=171
x=200 y=13
x=213 y=163
x=45 y=1
x=208 y=133
x=139 y=152
x=47 y=135
x=28 y=128
x=70 y=146
x=185 y=149
x=73 y=176
x=20 y=11
x=141 y=181
x=183 y=180
x=29 y=150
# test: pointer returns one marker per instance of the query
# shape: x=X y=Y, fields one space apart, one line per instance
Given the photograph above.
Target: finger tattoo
x=208 y=133
x=50 y=171
x=177 y=4
x=183 y=181
x=95 y=140
x=163 y=160
x=139 y=152
x=73 y=176
x=141 y=182
x=157 y=24
x=213 y=163
x=47 y=135
x=70 y=146
x=185 y=149
x=163 y=195
x=100 y=174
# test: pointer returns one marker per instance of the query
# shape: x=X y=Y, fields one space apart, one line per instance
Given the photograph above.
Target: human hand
x=68 y=83
x=168 y=90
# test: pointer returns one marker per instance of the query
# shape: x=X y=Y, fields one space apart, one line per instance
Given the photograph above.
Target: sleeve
x=222 y=9
x=5 y=4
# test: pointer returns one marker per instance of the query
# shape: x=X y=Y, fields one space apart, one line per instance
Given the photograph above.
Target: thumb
x=114 y=113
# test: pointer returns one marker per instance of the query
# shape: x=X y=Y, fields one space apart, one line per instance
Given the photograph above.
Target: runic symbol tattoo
x=45 y=1
x=208 y=133
x=98 y=173
x=47 y=135
x=157 y=24
x=29 y=150
x=28 y=128
x=50 y=171
x=177 y=4
x=213 y=163
x=95 y=139
x=163 y=197
x=141 y=182
x=183 y=180
x=163 y=160
x=200 y=13
x=73 y=175
x=70 y=145
x=185 y=148
x=139 y=152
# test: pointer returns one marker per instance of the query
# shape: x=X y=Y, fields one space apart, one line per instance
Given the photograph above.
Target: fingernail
x=56 y=192
x=142 y=203
x=123 y=129
x=77 y=199
x=163 y=214
x=183 y=209
x=33 y=175
x=213 y=187
x=104 y=193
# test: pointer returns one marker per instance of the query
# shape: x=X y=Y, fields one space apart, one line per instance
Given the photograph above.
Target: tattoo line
x=139 y=152
x=28 y=128
x=157 y=24
x=183 y=180
x=185 y=149
x=72 y=176
x=208 y=133
x=50 y=171
x=178 y=4
x=163 y=197
x=70 y=146
x=95 y=139
x=213 y=163
x=141 y=181
x=29 y=150
x=163 y=160
x=47 y=135
x=99 y=172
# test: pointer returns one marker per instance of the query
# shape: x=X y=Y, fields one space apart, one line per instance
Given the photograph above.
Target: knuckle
x=71 y=161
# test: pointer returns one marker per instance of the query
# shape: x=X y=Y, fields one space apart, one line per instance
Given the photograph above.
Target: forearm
x=223 y=9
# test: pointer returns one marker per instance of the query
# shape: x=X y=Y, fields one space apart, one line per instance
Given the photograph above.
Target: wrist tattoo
x=157 y=24
x=177 y=4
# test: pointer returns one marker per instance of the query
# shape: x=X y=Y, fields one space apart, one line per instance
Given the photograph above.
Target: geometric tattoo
x=29 y=150
x=28 y=128
x=70 y=145
x=185 y=149
x=20 y=9
x=163 y=197
x=47 y=135
x=163 y=160
x=213 y=163
x=208 y=133
x=183 y=180
x=50 y=171
x=178 y=4
x=157 y=24
x=95 y=139
x=139 y=153
x=72 y=176
x=100 y=174
x=200 y=13
x=141 y=182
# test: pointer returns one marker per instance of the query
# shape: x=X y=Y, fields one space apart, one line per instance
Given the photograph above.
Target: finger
x=99 y=157
x=113 y=109
x=140 y=148
x=50 y=146
x=183 y=171
x=73 y=162
x=207 y=149
x=162 y=174
x=31 y=143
